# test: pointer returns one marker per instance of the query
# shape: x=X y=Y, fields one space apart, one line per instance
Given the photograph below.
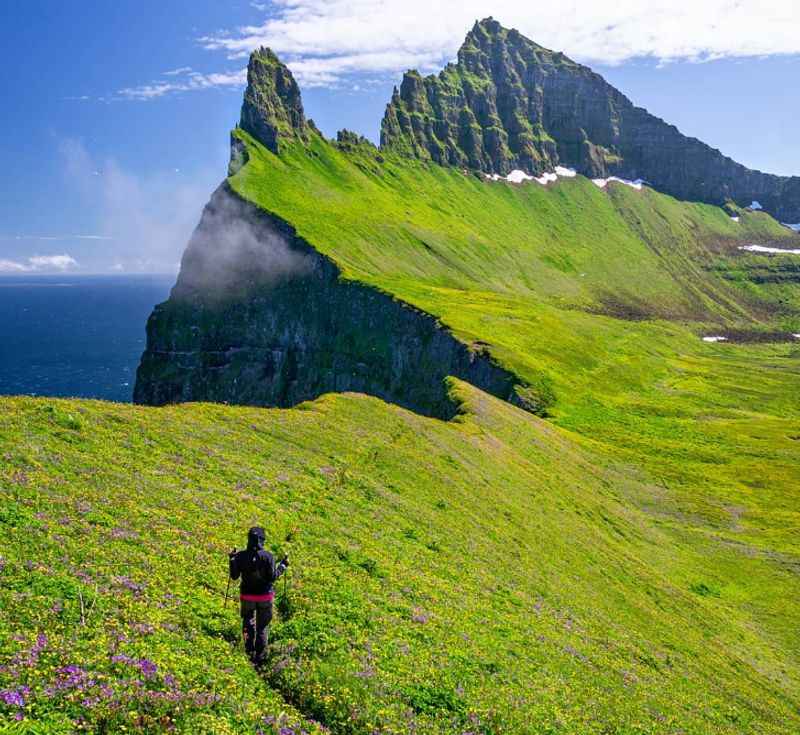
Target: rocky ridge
x=509 y=103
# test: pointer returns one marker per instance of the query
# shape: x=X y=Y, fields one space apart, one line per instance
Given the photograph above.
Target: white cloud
x=190 y=81
x=324 y=40
x=143 y=222
x=13 y=266
x=178 y=72
x=45 y=263
x=52 y=262
x=321 y=72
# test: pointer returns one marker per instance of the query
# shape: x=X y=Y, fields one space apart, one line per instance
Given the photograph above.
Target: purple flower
x=123 y=533
x=420 y=616
x=129 y=584
x=14 y=697
x=70 y=677
x=148 y=668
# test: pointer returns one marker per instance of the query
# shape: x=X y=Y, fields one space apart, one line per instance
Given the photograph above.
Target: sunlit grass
x=628 y=566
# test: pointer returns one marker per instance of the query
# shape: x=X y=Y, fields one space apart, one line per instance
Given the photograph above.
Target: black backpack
x=259 y=568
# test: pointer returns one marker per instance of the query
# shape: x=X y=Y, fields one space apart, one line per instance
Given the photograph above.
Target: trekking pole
x=228 y=588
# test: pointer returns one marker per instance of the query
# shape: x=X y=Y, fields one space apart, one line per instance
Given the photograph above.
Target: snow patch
x=638 y=184
x=567 y=173
x=756 y=206
x=796 y=336
x=766 y=249
x=518 y=177
x=735 y=219
x=796 y=227
x=715 y=338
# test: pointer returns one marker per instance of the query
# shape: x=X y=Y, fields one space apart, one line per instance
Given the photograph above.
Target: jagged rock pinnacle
x=272 y=111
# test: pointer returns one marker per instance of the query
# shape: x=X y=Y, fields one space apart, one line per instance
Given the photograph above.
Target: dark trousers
x=256 y=617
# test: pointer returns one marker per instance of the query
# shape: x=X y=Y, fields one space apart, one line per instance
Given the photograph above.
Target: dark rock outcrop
x=509 y=103
x=259 y=317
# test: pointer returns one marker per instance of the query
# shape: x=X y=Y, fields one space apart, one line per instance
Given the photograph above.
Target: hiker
x=258 y=571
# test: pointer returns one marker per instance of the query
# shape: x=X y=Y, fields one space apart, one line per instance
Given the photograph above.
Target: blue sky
x=116 y=116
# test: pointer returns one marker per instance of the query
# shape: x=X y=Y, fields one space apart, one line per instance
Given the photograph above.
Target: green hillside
x=490 y=574
x=627 y=565
x=602 y=293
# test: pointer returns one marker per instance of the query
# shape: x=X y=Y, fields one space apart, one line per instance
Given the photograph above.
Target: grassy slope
x=528 y=270
x=630 y=565
x=486 y=574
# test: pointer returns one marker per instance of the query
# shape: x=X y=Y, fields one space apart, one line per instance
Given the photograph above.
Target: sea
x=75 y=336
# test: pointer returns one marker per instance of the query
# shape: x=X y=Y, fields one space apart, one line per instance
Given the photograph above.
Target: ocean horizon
x=75 y=336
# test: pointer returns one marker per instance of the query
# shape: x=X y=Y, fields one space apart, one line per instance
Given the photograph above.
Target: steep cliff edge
x=509 y=103
x=259 y=317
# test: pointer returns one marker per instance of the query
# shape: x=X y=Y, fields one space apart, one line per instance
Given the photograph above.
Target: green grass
x=488 y=574
x=628 y=566
x=401 y=225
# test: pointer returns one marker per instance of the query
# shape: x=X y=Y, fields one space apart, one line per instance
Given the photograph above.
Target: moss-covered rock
x=272 y=110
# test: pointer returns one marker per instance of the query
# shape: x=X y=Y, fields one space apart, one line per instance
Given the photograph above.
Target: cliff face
x=509 y=103
x=259 y=317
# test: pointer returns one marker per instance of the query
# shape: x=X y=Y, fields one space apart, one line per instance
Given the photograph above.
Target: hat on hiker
x=255 y=537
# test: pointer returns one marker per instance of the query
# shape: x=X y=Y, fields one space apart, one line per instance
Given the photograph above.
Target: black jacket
x=257 y=568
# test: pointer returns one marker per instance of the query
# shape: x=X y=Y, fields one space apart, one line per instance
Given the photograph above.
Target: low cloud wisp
x=143 y=221
x=233 y=248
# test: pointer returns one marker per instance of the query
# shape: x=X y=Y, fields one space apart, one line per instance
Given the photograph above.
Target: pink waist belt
x=269 y=597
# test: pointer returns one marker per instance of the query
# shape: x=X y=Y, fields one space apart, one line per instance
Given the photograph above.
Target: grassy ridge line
x=484 y=574
x=392 y=223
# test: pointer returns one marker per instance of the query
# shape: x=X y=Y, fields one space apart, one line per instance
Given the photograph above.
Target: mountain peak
x=486 y=27
x=272 y=110
x=509 y=103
